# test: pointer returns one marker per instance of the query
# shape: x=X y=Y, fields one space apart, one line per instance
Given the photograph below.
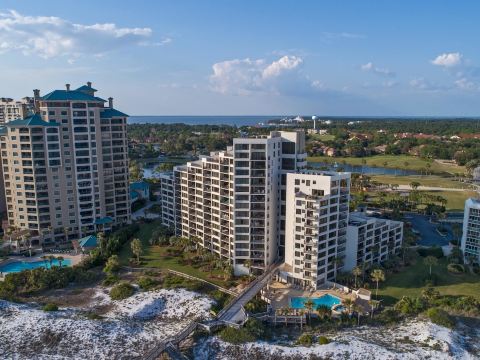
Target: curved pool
x=325 y=300
x=18 y=266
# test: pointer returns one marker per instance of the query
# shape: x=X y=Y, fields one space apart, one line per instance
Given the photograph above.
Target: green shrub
x=122 y=291
x=147 y=283
x=322 y=340
x=431 y=251
x=305 y=340
x=236 y=336
x=50 y=307
x=440 y=317
x=110 y=280
x=455 y=268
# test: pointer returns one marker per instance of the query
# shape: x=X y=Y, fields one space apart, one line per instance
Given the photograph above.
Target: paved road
x=141 y=212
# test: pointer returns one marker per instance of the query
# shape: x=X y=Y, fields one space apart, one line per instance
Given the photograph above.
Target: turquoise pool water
x=327 y=300
x=18 y=266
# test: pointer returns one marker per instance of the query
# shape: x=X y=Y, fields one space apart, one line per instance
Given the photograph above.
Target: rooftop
x=88 y=241
x=109 y=113
x=32 y=120
x=65 y=95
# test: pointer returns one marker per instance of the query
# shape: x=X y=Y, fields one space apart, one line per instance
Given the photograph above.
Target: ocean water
x=203 y=120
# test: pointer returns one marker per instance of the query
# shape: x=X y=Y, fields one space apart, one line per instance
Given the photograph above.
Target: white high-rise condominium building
x=233 y=201
x=371 y=240
x=167 y=199
x=316 y=226
x=471 y=231
x=15 y=109
x=65 y=168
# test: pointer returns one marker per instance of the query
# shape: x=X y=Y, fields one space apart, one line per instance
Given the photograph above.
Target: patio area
x=280 y=294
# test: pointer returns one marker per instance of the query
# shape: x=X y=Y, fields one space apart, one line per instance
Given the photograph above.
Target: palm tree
x=373 y=304
x=102 y=242
x=324 y=311
x=377 y=276
x=309 y=304
x=358 y=309
x=60 y=260
x=136 y=247
x=414 y=185
x=356 y=272
x=285 y=311
x=66 y=230
x=348 y=303
x=430 y=261
x=50 y=260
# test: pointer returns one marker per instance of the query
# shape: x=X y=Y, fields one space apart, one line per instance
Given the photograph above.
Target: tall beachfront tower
x=316 y=227
x=65 y=168
x=471 y=230
x=233 y=201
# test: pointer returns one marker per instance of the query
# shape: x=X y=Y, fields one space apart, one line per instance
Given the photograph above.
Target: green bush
x=455 y=268
x=122 y=291
x=431 y=251
x=110 y=280
x=440 y=317
x=50 y=307
x=147 y=283
x=305 y=340
x=322 y=340
x=236 y=336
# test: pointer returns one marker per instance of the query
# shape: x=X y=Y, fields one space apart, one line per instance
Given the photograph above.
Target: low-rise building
x=139 y=190
x=371 y=240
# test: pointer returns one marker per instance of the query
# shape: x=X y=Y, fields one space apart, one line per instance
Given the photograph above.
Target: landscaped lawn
x=430 y=180
x=455 y=199
x=394 y=162
x=325 y=137
x=410 y=282
x=155 y=256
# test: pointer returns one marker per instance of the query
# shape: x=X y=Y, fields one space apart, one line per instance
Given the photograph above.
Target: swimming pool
x=18 y=266
x=326 y=300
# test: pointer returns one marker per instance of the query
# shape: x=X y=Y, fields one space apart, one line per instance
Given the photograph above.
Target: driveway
x=140 y=213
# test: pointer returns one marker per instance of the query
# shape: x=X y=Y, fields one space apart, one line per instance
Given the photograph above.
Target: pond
x=369 y=170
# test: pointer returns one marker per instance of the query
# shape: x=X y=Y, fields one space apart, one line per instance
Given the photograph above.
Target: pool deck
x=282 y=293
x=74 y=259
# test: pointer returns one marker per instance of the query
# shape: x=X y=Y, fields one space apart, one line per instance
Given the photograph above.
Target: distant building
x=15 y=109
x=317 y=131
x=65 y=168
x=476 y=174
x=471 y=230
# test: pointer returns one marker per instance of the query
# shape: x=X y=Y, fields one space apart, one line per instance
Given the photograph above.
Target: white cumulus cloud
x=448 y=59
x=244 y=76
x=49 y=36
x=370 y=67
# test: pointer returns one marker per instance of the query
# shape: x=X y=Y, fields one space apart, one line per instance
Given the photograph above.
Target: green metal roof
x=32 y=120
x=133 y=194
x=3 y=130
x=109 y=113
x=88 y=241
x=104 y=220
x=64 y=95
x=139 y=185
x=86 y=88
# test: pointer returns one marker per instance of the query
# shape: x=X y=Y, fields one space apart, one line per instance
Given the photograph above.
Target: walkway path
x=231 y=312
x=429 y=188
x=140 y=213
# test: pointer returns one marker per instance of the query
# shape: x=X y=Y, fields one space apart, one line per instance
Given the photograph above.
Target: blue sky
x=249 y=57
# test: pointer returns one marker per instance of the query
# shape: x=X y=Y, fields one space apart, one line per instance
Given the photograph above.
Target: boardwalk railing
x=172 y=341
x=186 y=276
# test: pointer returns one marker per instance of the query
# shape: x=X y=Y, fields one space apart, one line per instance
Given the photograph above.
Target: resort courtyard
x=287 y=296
